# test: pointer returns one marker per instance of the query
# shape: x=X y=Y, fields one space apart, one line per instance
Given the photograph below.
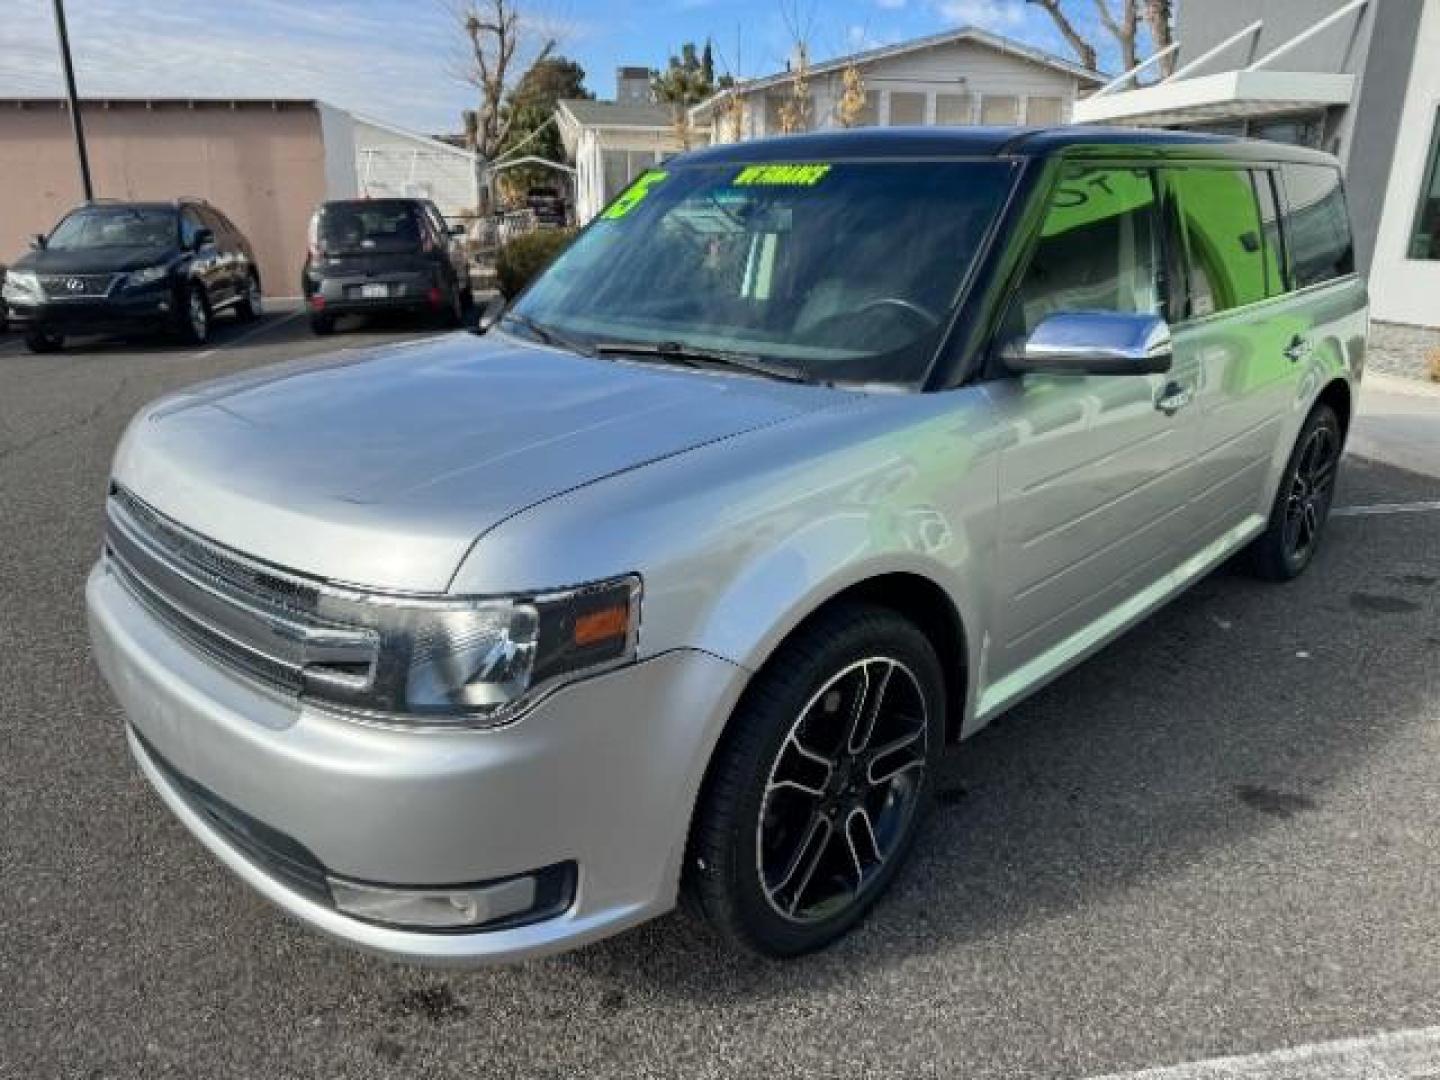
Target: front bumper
x=601 y=775
x=146 y=309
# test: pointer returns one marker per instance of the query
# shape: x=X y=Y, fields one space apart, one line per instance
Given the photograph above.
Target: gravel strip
x=1401 y=350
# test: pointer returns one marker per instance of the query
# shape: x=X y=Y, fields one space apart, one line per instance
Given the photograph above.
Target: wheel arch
x=916 y=597
x=1338 y=395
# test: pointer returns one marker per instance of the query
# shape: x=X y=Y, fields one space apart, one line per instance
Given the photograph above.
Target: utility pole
x=76 y=124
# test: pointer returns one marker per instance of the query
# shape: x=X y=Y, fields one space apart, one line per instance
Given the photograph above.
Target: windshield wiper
x=545 y=334
x=676 y=352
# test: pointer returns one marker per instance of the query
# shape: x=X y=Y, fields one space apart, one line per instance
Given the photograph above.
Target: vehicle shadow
x=1228 y=713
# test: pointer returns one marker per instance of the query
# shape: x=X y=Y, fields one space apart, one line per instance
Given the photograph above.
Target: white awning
x=1229 y=95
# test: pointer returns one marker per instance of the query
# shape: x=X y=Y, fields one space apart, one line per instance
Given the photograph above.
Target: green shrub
x=523 y=258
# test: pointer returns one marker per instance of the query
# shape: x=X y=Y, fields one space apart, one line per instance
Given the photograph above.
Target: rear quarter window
x=1317 y=224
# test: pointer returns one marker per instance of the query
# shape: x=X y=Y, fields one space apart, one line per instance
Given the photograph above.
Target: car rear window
x=343 y=228
x=1321 y=248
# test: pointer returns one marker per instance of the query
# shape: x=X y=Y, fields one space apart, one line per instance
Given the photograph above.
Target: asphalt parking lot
x=1217 y=837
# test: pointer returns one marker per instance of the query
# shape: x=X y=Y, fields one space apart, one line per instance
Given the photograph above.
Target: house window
x=999 y=109
x=1045 y=111
x=1425 y=237
x=906 y=108
x=621 y=167
x=954 y=109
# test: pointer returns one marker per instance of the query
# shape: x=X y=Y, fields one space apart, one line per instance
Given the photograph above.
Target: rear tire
x=454 y=313
x=39 y=341
x=322 y=325
x=807 y=812
x=252 y=303
x=194 y=324
x=1302 y=503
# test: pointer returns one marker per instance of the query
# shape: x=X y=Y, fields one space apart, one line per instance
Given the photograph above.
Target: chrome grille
x=256 y=620
x=76 y=286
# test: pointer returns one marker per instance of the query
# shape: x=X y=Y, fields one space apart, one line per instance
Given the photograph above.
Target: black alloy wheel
x=817 y=788
x=1302 y=504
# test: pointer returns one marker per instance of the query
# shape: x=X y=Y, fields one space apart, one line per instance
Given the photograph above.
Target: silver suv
x=804 y=462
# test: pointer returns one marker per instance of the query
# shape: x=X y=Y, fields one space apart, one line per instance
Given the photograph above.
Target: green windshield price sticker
x=635 y=194
x=781 y=175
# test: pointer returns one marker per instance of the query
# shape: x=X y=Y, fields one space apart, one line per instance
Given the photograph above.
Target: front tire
x=819 y=785
x=1302 y=504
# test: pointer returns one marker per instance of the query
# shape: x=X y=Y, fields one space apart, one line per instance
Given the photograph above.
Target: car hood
x=93 y=260
x=382 y=467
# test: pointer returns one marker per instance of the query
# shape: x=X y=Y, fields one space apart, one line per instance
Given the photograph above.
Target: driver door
x=1093 y=484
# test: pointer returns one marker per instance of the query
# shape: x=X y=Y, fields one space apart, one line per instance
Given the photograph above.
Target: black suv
x=118 y=267
x=374 y=255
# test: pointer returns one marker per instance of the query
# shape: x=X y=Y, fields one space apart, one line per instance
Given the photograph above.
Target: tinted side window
x=1224 y=244
x=190 y=224
x=1317 y=224
x=1099 y=249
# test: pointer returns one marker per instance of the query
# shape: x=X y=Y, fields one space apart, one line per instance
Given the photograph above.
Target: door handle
x=1173 y=398
x=1298 y=349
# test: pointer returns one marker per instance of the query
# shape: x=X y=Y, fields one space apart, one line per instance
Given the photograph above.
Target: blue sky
x=398 y=59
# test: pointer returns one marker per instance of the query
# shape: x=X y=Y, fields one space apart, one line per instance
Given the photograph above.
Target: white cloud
x=989 y=14
x=393 y=61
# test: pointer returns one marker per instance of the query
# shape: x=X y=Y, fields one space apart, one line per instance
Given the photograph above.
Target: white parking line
x=1401 y=1055
x=248 y=334
x=1387 y=508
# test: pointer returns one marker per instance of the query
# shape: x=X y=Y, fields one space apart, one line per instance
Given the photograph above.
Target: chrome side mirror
x=1093 y=343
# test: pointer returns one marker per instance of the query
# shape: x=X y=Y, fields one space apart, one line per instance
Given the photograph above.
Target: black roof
x=941 y=142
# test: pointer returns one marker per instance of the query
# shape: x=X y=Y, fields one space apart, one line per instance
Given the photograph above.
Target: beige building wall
x=262 y=163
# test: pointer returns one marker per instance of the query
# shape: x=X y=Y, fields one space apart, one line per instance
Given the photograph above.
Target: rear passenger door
x=1092 y=479
x=1239 y=339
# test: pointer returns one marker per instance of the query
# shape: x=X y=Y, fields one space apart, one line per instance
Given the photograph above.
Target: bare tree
x=1160 y=17
x=795 y=112
x=1123 y=26
x=1076 y=40
x=850 y=109
x=497 y=55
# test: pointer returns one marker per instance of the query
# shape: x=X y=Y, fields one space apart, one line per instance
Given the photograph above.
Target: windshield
x=370 y=226
x=115 y=226
x=843 y=272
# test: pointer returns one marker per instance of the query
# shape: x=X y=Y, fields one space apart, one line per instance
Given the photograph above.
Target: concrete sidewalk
x=1398 y=423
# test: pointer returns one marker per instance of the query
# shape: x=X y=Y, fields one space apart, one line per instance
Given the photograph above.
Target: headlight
x=147 y=276
x=21 y=285
x=479 y=663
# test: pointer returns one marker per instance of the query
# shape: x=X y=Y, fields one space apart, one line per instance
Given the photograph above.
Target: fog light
x=525 y=898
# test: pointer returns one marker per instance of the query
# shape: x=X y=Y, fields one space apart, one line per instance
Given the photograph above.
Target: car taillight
x=436 y=297
x=317 y=302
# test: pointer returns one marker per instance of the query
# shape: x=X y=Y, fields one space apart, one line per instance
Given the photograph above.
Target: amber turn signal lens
x=595 y=627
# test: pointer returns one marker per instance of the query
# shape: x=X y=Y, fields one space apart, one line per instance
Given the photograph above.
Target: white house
x=390 y=160
x=611 y=143
x=963 y=76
